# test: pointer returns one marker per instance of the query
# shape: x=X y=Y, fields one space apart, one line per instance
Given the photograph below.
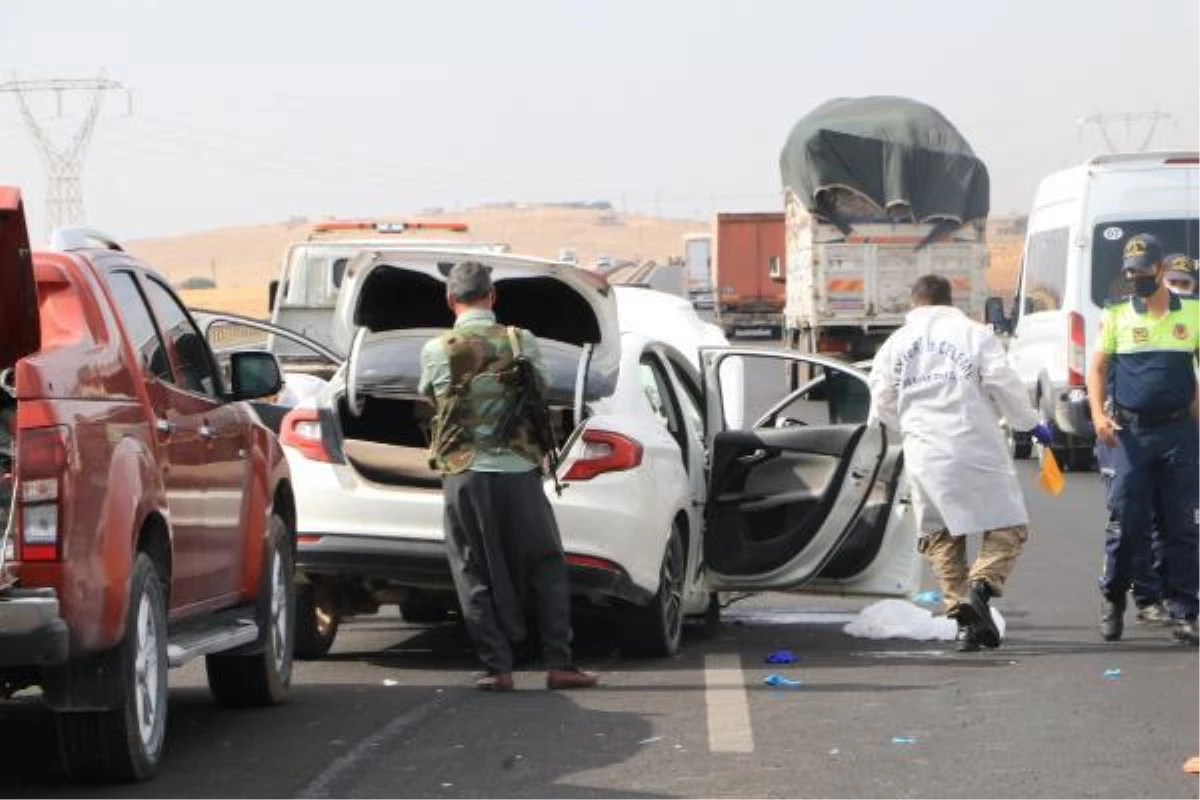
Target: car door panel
x=784 y=503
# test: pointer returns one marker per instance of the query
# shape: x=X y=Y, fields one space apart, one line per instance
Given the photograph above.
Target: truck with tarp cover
x=877 y=192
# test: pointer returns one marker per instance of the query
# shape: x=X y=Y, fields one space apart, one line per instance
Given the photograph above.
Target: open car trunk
x=388 y=442
x=20 y=335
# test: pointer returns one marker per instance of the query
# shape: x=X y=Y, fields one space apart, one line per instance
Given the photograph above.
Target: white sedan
x=668 y=496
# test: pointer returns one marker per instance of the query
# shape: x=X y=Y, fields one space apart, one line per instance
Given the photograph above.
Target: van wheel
x=126 y=743
x=262 y=678
x=317 y=620
x=656 y=629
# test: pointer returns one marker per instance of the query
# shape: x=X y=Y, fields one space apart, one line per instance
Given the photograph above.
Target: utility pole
x=1103 y=121
x=64 y=163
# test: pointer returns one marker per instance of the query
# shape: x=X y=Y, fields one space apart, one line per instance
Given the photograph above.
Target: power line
x=64 y=163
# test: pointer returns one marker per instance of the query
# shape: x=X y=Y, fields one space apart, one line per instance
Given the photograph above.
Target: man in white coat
x=940 y=381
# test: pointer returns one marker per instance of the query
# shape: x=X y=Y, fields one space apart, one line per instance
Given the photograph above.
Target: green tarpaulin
x=875 y=159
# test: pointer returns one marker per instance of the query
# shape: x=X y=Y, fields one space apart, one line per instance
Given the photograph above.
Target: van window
x=1108 y=246
x=1045 y=278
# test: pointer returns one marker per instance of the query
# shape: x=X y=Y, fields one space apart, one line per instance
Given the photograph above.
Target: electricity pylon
x=64 y=163
x=1102 y=122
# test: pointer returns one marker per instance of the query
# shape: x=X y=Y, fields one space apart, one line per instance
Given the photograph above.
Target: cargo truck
x=749 y=248
x=877 y=192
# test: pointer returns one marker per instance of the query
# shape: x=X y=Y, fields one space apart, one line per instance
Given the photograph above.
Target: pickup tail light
x=43 y=460
x=1075 y=350
x=599 y=452
x=301 y=430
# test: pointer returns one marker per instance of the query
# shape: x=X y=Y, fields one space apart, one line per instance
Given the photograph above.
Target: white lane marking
x=323 y=784
x=729 y=728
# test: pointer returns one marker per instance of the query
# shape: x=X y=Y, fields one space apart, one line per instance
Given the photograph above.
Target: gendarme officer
x=1143 y=395
x=501 y=536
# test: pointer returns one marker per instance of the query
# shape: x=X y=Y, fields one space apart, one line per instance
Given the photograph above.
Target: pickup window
x=196 y=369
x=143 y=335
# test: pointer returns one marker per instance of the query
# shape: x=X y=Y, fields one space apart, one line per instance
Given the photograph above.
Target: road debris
x=782 y=657
x=651 y=740
x=904 y=740
x=1112 y=674
x=775 y=679
x=928 y=596
x=1192 y=766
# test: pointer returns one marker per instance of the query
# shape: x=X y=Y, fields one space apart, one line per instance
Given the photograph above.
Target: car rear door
x=810 y=490
x=20 y=332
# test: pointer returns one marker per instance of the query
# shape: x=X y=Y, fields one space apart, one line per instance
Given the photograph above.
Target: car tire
x=655 y=630
x=262 y=678
x=125 y=743
x=1020 y=445
x=317 y=621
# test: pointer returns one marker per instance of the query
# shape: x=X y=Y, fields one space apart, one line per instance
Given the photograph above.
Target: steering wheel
x=354 y=401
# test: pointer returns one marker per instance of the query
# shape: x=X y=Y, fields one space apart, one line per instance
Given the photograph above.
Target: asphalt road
x=391 y=713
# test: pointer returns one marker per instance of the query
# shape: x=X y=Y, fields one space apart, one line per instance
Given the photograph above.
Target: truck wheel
x=655 y=630
x=316 y=621
x=126 y=743
x=262 y=678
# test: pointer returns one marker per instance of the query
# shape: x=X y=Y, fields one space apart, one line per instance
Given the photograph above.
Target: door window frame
x=218 y=394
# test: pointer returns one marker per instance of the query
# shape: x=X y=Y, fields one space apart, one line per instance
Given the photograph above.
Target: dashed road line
x=729 y=728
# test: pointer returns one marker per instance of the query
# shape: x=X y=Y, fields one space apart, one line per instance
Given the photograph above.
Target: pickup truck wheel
x=316 y=621
x=262 y=678
x=126 y=743
x=655 y=630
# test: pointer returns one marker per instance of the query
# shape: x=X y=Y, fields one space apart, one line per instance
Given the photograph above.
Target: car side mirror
x=255 y=374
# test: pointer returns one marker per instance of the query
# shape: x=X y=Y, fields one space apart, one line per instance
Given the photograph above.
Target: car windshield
x=1108 y=245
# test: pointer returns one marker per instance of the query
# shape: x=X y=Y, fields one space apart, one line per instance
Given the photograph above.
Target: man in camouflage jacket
x=501 y=536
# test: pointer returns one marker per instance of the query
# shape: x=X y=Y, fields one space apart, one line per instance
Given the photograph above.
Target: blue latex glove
x=1041 y=434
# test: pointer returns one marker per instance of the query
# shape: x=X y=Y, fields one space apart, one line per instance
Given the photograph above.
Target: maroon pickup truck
x=147 y=512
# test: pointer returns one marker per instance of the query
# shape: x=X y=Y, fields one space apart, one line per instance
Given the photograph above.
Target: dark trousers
x=507 y=559
x=1147 y=552
x=1155 y=469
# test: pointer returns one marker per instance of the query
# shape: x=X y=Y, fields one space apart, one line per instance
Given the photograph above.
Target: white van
x=1071 y=268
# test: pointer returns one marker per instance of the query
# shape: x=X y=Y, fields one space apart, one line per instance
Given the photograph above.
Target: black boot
x=965 y=640
x=1112 y=619
x=975 y=612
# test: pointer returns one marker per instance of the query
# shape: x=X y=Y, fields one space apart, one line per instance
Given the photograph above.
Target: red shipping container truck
x=750 y=252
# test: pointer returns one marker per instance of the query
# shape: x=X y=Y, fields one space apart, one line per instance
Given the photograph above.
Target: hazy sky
x=247 y=112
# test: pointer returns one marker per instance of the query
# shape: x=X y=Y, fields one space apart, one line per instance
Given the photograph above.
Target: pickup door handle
x=207 y=432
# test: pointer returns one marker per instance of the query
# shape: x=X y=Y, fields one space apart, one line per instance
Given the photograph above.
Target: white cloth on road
x=940 y=380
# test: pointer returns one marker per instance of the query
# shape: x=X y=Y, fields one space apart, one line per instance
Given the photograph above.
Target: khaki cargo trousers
x=947 y=557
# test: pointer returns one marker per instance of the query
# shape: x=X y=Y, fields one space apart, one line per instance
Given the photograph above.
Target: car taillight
x=1075 y=350
x=603 y=451
x=43 y=456
x=301 y=430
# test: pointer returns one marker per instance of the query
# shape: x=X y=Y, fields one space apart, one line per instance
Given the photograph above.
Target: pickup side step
x=228 y=633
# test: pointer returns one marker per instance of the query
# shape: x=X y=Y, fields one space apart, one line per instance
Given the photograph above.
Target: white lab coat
x=935 y=380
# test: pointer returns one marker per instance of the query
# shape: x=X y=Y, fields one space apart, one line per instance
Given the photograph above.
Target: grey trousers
x=506 y=557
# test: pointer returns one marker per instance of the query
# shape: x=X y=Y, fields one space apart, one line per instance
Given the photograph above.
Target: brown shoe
x=570 y=679
x=495 y=682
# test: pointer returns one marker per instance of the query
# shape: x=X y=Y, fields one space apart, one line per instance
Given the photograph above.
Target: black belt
x=1150 y=419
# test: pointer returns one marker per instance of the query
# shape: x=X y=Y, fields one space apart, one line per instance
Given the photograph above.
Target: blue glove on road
x=1041 y=434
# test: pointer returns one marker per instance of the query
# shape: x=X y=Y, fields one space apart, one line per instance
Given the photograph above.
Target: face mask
x=1145 y=285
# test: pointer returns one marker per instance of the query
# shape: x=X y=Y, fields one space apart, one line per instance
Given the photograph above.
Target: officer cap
x=1181 y=264
x=1142 y=253
x=469 y=281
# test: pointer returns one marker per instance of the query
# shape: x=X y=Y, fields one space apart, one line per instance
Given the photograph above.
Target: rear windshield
x=1108 y=245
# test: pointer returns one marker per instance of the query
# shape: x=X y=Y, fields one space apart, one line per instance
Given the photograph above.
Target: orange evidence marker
x=1051 y=478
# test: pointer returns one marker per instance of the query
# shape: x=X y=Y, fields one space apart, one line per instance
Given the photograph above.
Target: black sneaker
x=1153 y=614
x=976 y=614
x=1185 y=631
x=1112 y=620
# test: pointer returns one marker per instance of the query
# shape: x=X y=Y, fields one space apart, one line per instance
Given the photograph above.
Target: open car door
x=808 y=492
x=307 y=365
x=20 y=331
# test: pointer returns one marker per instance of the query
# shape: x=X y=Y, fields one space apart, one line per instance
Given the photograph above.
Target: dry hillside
x=243 y=260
